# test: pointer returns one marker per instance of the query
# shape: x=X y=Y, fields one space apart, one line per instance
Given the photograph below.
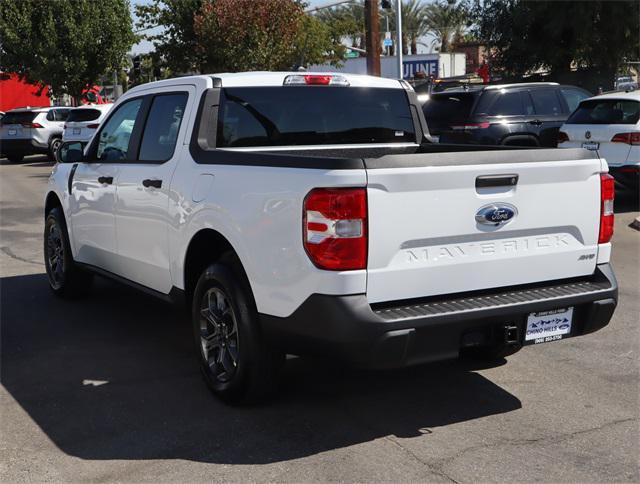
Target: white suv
x=307 y=213
x=29 y=131
x=83 y=122
x=609 y=125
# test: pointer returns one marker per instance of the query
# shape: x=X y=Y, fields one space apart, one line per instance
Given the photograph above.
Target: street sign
x=387 y=42
x=351 y=54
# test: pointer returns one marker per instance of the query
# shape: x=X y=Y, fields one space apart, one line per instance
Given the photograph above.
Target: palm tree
x=348 y=19
x=446 y=21
x=414 y=24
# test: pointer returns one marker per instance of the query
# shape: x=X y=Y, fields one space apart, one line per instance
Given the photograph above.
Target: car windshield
x=80 y=115
x=19 y=117
x=606 y=111
x=313 y=115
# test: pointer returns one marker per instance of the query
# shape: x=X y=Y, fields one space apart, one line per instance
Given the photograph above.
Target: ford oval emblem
x=496 y=214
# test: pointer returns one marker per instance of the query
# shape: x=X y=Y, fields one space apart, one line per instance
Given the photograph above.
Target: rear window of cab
x=606 y=111
x=313 y=115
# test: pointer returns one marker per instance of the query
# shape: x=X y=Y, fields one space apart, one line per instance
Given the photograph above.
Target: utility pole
x=372 y=29
x=399 y=37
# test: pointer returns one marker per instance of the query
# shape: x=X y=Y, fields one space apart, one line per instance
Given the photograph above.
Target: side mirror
x=71 y=152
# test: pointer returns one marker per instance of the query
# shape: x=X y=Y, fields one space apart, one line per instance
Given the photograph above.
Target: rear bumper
x=26 y=146
x=412 y=332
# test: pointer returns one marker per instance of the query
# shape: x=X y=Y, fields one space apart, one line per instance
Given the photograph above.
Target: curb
x=635 y=224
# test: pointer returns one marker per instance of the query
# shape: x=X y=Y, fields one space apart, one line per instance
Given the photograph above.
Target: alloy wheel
x=219 y=334
x=55 y=255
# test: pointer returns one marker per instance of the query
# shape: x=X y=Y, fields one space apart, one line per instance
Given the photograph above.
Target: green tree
x=66 y=44
x=345 y=22
x=583 y=42
x=446 y=21
x=414 y=24
x=241 y=35
x=169 y=25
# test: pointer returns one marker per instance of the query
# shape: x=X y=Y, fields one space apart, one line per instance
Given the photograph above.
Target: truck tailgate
x=425 y=240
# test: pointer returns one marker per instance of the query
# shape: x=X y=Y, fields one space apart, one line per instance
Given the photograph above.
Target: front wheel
x=65 y=279
x=237 y=363
x=54 y=147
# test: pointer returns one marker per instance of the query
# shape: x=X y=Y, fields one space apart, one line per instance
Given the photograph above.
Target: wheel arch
x=52 y=201
x=205 y=247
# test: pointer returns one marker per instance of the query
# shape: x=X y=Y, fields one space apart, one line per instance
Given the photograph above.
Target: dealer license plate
x=13 y=132
x=548 y=326
x=76 y=130
x=591 y=145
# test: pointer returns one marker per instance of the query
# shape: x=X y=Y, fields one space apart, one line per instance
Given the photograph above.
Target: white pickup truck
x=310 y=213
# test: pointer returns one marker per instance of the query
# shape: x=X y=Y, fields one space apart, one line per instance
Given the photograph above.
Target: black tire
x=65 y=279
x=15 y=158
x=54 y=146
x=238 y=365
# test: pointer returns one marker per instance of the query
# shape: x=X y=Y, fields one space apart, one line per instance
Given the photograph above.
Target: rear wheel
x=54 y=146
x=237 y=363
x=65 y=279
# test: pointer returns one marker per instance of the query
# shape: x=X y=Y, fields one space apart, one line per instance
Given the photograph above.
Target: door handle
x=492 y=181
x=535 y=122
x=105 y=180
x=148 y=183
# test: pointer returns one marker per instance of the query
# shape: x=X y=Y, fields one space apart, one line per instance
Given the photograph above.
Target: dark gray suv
x=508 y=114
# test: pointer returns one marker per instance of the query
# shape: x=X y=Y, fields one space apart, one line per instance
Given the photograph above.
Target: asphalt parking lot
x=106 y=389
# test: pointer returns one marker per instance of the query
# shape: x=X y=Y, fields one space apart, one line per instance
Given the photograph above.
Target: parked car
x=28 y=131
x=626 y=83
x=307 y=213
x=508 y=114
x=608 y=124
x=83 y=122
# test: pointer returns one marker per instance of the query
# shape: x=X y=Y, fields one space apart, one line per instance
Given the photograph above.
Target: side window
x=507 y=104
x=62 y=114
x=51 y=116
x=546 y=102
x=163 y=124
x=573 y=97
x=113 y=144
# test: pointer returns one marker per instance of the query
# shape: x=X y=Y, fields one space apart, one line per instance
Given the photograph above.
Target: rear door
x=550 y=113
x=425 y=238
x=143 y=189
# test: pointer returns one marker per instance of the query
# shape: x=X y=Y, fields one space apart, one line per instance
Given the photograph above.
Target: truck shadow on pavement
x=113 y=376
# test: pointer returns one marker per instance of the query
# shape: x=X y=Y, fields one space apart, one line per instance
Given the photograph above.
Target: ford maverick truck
x=299 y=213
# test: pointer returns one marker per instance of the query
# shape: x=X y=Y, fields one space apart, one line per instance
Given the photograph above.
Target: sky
x=145 y=46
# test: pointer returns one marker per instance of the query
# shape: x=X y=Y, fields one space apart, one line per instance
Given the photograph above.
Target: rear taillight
x=627 y=138
x=31 y=125
x=607 y=194
x=335 y=228
x=93 y=126
x=471 y=126
x=562 y=137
